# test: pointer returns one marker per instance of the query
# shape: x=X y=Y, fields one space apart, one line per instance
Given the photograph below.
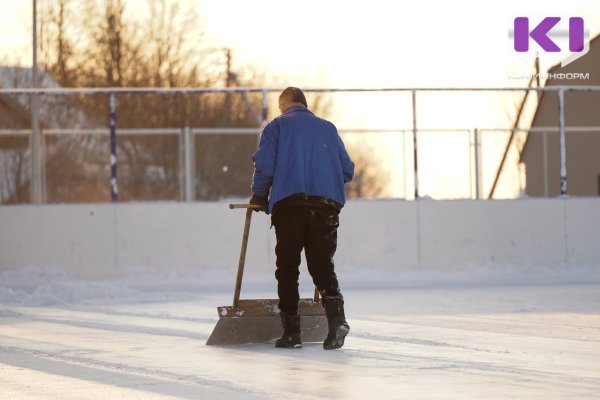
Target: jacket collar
x=296 y=108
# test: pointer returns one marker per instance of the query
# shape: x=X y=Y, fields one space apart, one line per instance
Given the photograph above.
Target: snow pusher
x=257 y=320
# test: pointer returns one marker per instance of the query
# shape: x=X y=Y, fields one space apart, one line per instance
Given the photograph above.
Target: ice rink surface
x=108 y=339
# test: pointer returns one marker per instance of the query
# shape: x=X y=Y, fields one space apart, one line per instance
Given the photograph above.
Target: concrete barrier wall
x=105 y=240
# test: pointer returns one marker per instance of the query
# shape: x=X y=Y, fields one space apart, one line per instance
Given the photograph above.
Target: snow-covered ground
x=136 y=338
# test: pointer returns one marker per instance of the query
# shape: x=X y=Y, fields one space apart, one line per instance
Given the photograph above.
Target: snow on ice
x=64 y=338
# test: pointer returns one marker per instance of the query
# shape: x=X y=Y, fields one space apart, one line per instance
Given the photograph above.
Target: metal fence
x=414 y=153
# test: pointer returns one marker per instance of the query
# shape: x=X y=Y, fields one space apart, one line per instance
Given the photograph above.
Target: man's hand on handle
x=261 y=201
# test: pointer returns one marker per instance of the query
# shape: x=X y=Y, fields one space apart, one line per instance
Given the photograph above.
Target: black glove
x=262 y=201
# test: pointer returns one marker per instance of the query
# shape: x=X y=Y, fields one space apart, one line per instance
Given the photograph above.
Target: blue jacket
x=301 y=153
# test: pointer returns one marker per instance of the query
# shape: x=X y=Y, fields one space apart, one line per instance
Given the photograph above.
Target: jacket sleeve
x=347 y=164
x=264 y=160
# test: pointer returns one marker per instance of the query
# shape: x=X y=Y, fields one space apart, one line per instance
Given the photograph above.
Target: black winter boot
x=291 y=332
x=338 y=327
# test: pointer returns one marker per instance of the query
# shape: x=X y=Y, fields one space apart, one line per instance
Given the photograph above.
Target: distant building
x=54 y=112
x=15 y=110
x=583 y=148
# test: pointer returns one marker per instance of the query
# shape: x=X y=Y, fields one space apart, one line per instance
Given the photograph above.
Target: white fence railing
x=471 y=155
x=113 y=93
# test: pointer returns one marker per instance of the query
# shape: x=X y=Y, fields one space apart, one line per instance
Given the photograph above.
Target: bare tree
x=370 y=177
x=97 y=43
x=56 y=44
x=159 y=50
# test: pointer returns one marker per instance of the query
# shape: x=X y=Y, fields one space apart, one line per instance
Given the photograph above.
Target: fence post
x=36 y=154
x=414 y=122
x=182 y=165
x=263 y=115
x=189 y=145
x=43 y=169
x=477 y=171
x=563 y=142
x=545 y=161
x=265 y=107
x=37 y=196
x=404 y=164
x=114 y=190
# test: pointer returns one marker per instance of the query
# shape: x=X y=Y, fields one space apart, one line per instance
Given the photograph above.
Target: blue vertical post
x=114 y=190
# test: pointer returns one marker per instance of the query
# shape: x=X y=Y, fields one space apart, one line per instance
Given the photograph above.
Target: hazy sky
x=351 y=43
x=371 y=43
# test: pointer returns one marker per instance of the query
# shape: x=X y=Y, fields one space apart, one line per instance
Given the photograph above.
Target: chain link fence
x=102 y=145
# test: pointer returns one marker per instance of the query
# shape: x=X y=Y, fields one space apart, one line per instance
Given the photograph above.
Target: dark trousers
x=314 y=229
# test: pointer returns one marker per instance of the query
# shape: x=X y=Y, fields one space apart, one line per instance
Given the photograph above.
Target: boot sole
x=289 y=342
x=295 y=346
x=340 y=335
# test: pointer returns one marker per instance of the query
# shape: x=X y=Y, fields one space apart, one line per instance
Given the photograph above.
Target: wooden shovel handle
x=240 y=272
x=232 y=206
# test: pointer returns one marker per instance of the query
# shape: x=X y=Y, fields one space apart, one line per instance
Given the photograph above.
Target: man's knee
x=287 y=274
